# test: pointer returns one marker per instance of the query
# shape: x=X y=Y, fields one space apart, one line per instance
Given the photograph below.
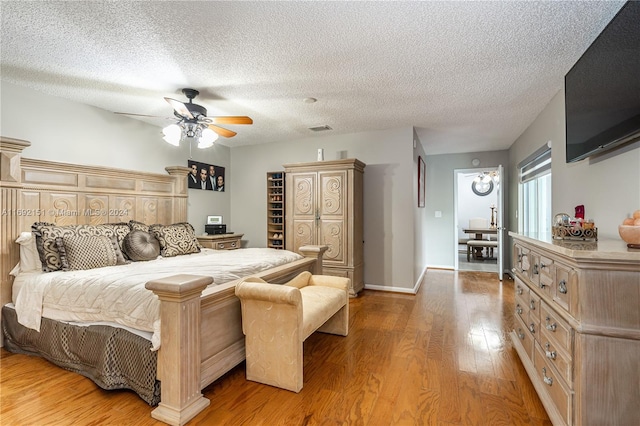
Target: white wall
x=389 y=195
x=64 y=131
x=608 y=187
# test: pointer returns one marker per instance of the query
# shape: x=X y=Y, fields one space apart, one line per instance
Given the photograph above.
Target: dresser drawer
x=524 y=337
x=565 y=288
x=546 y=271
x=556 y=328
x=556 y=356
x=226 y=245
x=521 y=289
x=533 y=305
x=559 y=393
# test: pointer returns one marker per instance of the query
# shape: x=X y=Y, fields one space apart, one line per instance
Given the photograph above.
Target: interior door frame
x=500 y=213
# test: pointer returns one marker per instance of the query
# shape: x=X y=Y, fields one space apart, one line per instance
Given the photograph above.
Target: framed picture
x=421 y=181
x=205 y=176
x=214 y=220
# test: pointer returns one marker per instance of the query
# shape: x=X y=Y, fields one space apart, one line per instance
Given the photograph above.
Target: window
x=534 y=195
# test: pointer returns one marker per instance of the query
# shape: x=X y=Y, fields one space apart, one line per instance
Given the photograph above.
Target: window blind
x=536 y=165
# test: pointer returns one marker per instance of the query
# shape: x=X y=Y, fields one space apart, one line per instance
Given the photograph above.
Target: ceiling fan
x=194 y=123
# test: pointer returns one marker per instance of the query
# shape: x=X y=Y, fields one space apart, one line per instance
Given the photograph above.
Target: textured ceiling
x=469 y=76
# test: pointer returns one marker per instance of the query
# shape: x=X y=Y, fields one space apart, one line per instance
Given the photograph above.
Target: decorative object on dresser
x=221 y=241
x=324 y=206
x=577 y=329
x=275 y=210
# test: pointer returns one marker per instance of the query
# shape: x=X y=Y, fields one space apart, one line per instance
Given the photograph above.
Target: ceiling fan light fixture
x=207 y=138
x=172 y=134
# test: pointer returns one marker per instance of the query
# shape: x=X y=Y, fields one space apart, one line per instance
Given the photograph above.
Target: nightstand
x=221 y=241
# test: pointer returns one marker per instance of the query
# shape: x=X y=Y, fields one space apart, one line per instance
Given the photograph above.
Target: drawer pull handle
x=549 y=354
x=518 y=309
x=233 y=244
x=542 y=285
x=562 y=287
x=532 y=328
x=535 y=269
x=519 y=289
x=532 y=305
x=520 y=334
x=221 y=245
x=547 y=380
x=549 y=326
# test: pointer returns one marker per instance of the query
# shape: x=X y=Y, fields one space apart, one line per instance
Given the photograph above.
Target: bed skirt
x=111 y=357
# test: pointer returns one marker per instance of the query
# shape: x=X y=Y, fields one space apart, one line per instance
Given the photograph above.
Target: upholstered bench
x=278 y=318
x=480 y=244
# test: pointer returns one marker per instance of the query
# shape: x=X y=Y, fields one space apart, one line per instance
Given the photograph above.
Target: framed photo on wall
x=421 y=181
x=205 y=176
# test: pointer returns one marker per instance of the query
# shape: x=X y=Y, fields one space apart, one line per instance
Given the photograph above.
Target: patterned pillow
x=88 y=252
x=140 y=246
x=176 y=239
x=138 y=226
x=46 y=234
x=121 y=230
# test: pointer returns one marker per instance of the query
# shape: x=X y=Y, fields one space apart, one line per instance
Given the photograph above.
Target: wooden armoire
x=324 y=206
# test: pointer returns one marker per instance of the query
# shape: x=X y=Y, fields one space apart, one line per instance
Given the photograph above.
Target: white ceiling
x=469 y=76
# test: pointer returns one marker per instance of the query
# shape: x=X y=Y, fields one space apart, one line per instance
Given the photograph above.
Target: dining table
x=478 y=234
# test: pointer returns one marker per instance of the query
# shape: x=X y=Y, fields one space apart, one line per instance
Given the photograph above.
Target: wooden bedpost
x=179 y=355
x=11 y=211
x=314 y=252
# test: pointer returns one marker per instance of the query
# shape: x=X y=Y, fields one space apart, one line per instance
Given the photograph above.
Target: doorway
x=478 y=196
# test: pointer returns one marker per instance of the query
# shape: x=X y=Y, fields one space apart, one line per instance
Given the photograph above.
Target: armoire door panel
x=332 y=193
x=332 y=234
x=304 y=194
x=303 y=232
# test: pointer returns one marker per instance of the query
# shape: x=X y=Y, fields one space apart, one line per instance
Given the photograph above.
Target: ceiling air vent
x=320 y=128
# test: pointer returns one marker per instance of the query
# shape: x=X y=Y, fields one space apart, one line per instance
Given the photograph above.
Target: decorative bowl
x=630 y=234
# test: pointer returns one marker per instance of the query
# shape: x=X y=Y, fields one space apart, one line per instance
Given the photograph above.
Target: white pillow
x=29 y=258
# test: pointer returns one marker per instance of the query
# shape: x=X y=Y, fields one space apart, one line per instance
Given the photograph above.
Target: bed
x=200 y=337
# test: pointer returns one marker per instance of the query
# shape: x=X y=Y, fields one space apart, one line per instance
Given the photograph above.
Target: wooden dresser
x=577 y=327
x=324 y=206
x=221 y=241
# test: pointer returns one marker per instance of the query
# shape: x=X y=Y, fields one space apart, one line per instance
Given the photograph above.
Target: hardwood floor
x=441 y=357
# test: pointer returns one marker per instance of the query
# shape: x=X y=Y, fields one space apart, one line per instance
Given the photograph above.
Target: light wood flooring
x=441 y=357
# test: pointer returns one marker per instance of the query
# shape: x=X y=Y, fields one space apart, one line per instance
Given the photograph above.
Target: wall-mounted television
x=602 y=90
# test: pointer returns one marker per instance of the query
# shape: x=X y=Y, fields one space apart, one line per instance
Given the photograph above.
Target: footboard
x=202 y=335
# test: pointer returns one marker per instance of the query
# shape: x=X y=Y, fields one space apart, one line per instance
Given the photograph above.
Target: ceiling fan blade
x=180 y=108
x=225 y=133
x=242 y=119
x=137 y=115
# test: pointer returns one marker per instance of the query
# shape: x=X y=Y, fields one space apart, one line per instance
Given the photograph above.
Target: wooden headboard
x=66 y=194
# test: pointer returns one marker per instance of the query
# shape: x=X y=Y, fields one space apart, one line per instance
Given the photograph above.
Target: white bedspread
x=117 y=293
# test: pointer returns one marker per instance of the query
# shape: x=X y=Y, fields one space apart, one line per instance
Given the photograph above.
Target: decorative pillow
x=121 y=230
x=29 y=258
x=88 y=252
x=46 y=234
x=138 y=226
x=140 y=246
x=176 y=239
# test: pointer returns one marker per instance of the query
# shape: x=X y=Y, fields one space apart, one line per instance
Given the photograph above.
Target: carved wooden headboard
x=65 y=194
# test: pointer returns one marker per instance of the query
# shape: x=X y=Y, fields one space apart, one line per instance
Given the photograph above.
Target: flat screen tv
x=602 y=90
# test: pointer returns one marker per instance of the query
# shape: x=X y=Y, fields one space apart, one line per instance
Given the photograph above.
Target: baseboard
x=391 y=289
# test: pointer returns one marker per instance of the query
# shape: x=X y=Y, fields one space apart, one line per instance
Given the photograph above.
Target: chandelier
x=188 y=130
